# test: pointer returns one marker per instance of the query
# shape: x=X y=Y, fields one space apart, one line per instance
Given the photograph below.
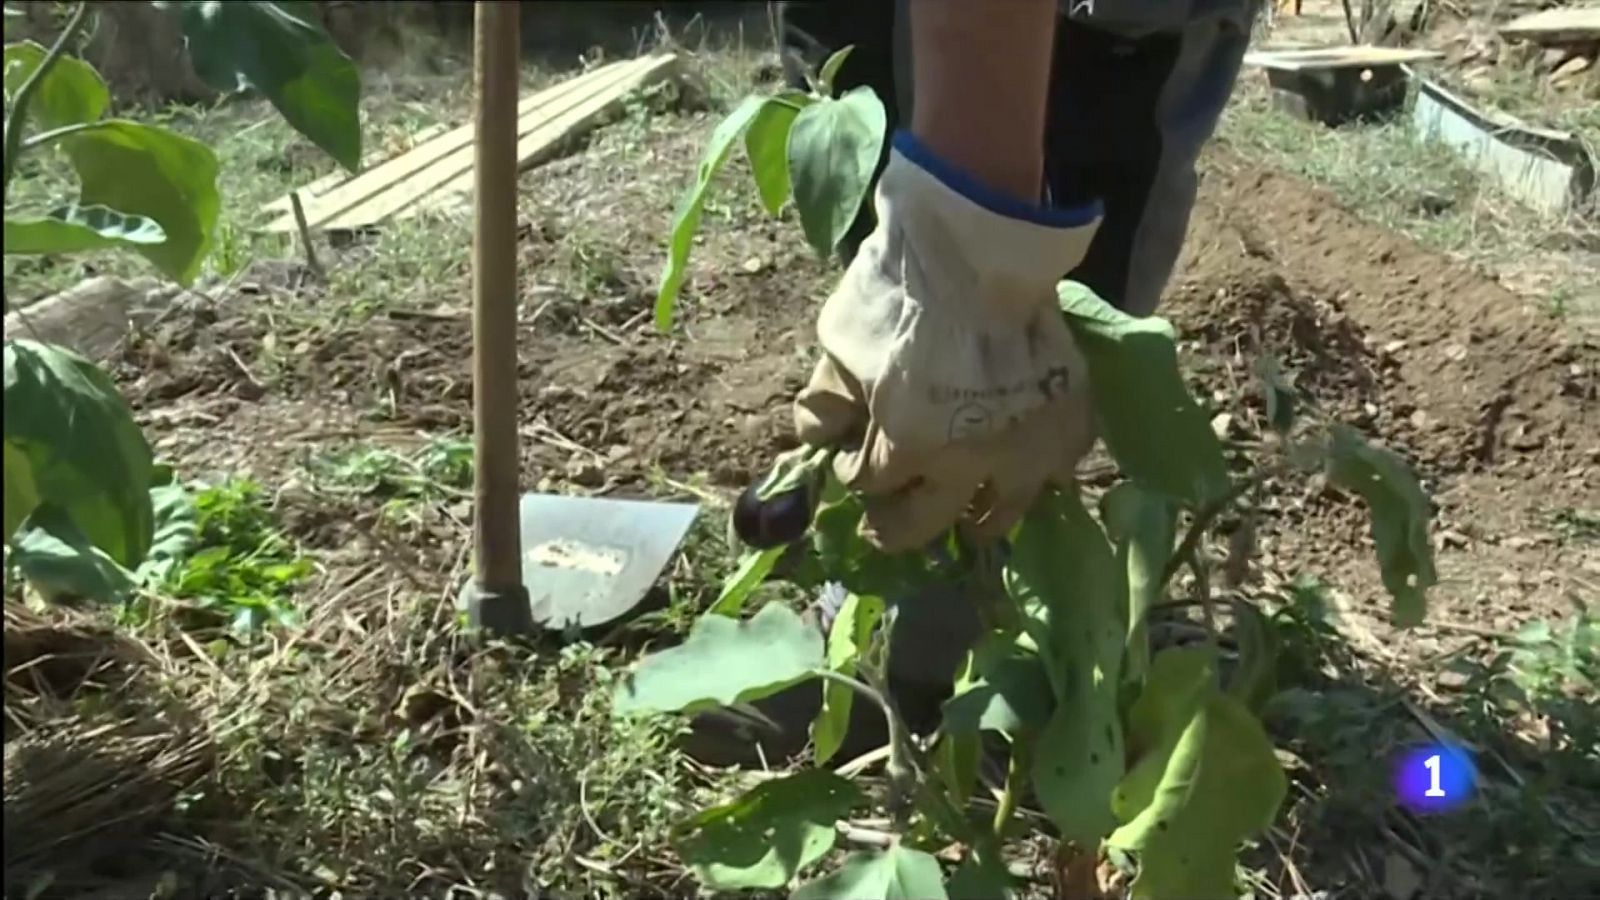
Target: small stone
x=1220 y=424
x=1419 y=420
x=753 y=265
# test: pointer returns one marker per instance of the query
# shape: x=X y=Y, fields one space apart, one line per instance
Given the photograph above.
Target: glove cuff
x=976 y=240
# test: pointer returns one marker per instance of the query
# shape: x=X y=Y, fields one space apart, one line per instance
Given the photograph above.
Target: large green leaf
x=290 y=59
x=86 y=455
x=21 y=494
x=766 y=143
x=72 y=228
x=765 y=837
x=847 y=639
x=142 y=170
x=687 y=219
x=725 y=661
x=1061 y=562
x=1207 y=779
x=1150 y=422
x=1143 y=525
x=1399 y=512
x=60 y=563
x=72 y=91
x=833 y=151
x=898 y=873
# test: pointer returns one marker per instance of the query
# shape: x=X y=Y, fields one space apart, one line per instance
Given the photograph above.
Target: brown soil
x=1489 y=398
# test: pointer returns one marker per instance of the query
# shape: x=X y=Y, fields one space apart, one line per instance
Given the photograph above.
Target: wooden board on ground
x=1563 y=25
x=438 y=169
x=1550 y=171
x=1353 y=56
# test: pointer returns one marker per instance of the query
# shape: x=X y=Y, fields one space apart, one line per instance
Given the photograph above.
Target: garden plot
x=369 y=747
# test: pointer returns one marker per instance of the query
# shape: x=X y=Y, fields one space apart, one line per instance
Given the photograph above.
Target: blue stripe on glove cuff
x=994 y=201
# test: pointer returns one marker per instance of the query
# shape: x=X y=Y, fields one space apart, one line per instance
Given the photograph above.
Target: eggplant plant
x=1131 y=751
x=79 y=475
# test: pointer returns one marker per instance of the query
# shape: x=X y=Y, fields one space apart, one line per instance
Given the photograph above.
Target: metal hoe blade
x=588 y=560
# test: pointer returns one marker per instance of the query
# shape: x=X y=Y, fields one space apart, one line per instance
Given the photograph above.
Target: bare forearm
x=981 y=75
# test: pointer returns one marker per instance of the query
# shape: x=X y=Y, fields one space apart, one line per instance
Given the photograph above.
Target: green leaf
x=1208 y=780
x=955 y=762
x=724 y=661
x=1061 y=562
x=1255 y=678
x=974 y=880
x=291 y=60
x=851 y=633
x=86 y=454
x=60 y=563
x=846 y=557
x=833 y=151
x=142 y=170
x=687 y=219
x=1143 y=525
x=742 y=582
x=21 y=494
x=1150 y=423
x=72 y=92
x=1399 y=513
x=898 y=873
x=766 y=143
x=830 y=69
x=765 y=837
x=177 y=531
x=1006 y=693
x=70 y=229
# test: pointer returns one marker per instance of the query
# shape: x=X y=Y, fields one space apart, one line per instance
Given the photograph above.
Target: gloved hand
x=949 y=378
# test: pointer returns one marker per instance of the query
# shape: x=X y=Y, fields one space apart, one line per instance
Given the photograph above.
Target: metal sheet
x=588 y=560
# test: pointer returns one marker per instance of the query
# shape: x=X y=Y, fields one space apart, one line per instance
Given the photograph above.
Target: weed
x=242 y=568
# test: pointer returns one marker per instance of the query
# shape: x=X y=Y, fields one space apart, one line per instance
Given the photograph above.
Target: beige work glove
x=949 y=378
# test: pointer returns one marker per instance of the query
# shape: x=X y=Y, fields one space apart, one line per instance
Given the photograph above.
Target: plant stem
x=1204 y=519
x=18 y=116
x=1016 y=771
x=56 y=134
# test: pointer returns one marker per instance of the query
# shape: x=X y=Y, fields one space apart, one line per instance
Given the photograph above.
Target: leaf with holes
x=1206 y=778
x=1061 y=562
x=289 y=58
x=73 y=228
x=851 y=633
x=1151 y=424
x=1399 y=513
x=724 y=661
x=765 y=837
x=72 y=92
x=833 y=151
x=898 y=873
x=687 y=219
x=144 y=171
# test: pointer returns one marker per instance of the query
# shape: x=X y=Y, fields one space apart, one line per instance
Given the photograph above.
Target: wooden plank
x=1556 y=26
x=445 y=163
x=539 y=145
x=332 y=180
x=1352 y=56
x=453 y=175
x=381 y=177
x=1550 y=171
